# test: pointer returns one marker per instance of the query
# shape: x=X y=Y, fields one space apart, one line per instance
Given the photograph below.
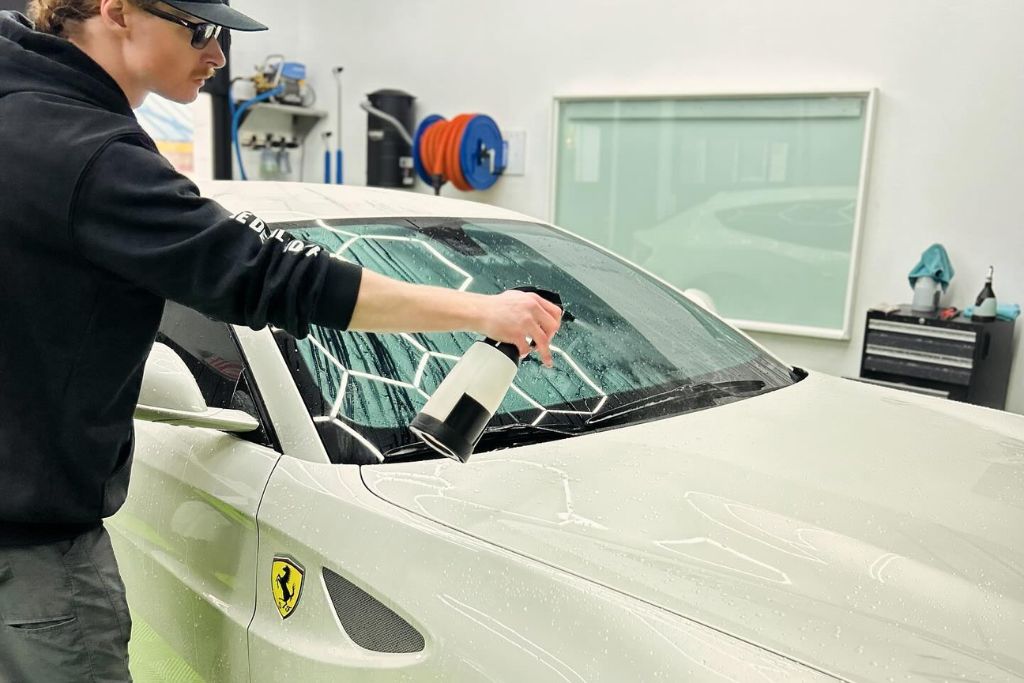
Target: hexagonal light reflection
x=426 y=354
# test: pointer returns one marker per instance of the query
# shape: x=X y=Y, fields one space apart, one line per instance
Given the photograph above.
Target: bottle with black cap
x=456 y=414
x=985 y=305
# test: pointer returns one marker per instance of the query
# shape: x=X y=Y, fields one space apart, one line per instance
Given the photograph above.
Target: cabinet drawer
x=921 y=370
x=941 y=333
x=929 y=346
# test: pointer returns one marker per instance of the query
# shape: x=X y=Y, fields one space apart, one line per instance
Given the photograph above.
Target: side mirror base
x=221 y=419
x=170 y=394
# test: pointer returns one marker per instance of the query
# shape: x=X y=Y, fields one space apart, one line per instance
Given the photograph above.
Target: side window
x=210 y=351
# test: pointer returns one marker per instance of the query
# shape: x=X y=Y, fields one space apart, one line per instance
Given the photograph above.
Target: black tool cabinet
x=957 y=359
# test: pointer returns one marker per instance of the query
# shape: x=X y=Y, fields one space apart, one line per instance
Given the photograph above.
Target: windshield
x=627 y=336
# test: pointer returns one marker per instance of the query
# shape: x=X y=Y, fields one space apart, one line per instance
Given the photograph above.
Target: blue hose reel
x=481 y=151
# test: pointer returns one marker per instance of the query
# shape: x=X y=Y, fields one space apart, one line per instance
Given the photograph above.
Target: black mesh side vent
x=368 y=622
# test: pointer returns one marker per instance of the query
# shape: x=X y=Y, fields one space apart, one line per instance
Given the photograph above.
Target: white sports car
x=670 y=502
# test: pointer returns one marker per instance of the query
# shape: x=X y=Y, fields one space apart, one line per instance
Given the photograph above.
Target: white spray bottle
x=456 y=414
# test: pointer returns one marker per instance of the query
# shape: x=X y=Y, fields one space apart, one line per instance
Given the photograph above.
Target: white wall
x=948 y=161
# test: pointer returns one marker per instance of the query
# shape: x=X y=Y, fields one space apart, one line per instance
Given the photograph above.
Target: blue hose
x=236 y=118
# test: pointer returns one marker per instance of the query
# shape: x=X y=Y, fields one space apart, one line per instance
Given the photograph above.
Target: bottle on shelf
x=985 y=304
x=269 y=167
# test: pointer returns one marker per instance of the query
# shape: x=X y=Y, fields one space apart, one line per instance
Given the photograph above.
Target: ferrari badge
x=286 y=582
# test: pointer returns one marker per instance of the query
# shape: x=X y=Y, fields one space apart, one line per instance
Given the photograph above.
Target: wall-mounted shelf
x=281 y=119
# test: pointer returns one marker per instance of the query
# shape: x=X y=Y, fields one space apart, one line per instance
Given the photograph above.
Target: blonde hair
x=53 y=16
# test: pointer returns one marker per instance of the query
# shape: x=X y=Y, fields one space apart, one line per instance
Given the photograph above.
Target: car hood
x=870 y=533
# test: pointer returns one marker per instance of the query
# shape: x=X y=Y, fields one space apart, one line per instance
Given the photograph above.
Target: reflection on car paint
x=439 y=486
x=514 y=637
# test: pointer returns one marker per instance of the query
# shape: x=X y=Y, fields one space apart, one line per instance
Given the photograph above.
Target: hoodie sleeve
x=137 y=217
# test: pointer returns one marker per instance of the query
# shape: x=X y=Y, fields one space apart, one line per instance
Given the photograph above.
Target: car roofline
x=275 y=202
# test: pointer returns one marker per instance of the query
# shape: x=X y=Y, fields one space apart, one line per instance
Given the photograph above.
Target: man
x=96 y=232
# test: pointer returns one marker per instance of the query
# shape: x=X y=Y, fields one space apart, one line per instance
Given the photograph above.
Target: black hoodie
x=96 y=231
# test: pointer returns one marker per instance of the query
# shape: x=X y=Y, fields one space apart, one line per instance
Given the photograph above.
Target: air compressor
x=288 y=79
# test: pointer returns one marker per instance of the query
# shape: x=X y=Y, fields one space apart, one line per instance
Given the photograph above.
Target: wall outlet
x=515 y=152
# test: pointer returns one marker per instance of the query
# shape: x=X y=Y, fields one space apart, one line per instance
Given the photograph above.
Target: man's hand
x=513 y=316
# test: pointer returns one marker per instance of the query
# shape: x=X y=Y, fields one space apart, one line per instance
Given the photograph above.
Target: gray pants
x=63 y=614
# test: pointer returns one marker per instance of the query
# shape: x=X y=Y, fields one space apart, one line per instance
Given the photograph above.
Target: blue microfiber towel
x=935 y=264
x=1003 y=311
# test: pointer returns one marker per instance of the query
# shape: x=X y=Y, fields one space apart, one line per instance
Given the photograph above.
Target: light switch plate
x=515 y=152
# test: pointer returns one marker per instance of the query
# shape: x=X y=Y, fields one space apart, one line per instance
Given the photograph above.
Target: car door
x=186 y=537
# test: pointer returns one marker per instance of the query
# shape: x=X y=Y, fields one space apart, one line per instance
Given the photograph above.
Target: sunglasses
x=202 y=33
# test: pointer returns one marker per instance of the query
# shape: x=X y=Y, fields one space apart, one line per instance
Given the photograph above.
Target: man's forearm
x=388 y=305
x=515 y=317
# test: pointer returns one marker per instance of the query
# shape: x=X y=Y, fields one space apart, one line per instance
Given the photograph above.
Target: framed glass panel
x=756 y=200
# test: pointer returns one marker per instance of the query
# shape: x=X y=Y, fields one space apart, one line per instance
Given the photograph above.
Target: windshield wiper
x=697 y=391
x=519 y=434
x=492 y=438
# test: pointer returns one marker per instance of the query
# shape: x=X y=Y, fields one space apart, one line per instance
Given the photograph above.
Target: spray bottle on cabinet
x=985 y=305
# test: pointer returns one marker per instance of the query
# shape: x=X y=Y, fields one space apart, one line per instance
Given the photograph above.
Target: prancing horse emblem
x=286 y=582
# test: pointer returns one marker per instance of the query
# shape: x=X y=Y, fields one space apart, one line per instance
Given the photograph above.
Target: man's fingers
x=543 y=341
x=524 y=348
x=548 y=325
x=530 y=316
x=552 y=309
x=547 y=320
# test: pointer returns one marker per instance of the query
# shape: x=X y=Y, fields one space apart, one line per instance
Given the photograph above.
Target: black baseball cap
x=217 y=12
